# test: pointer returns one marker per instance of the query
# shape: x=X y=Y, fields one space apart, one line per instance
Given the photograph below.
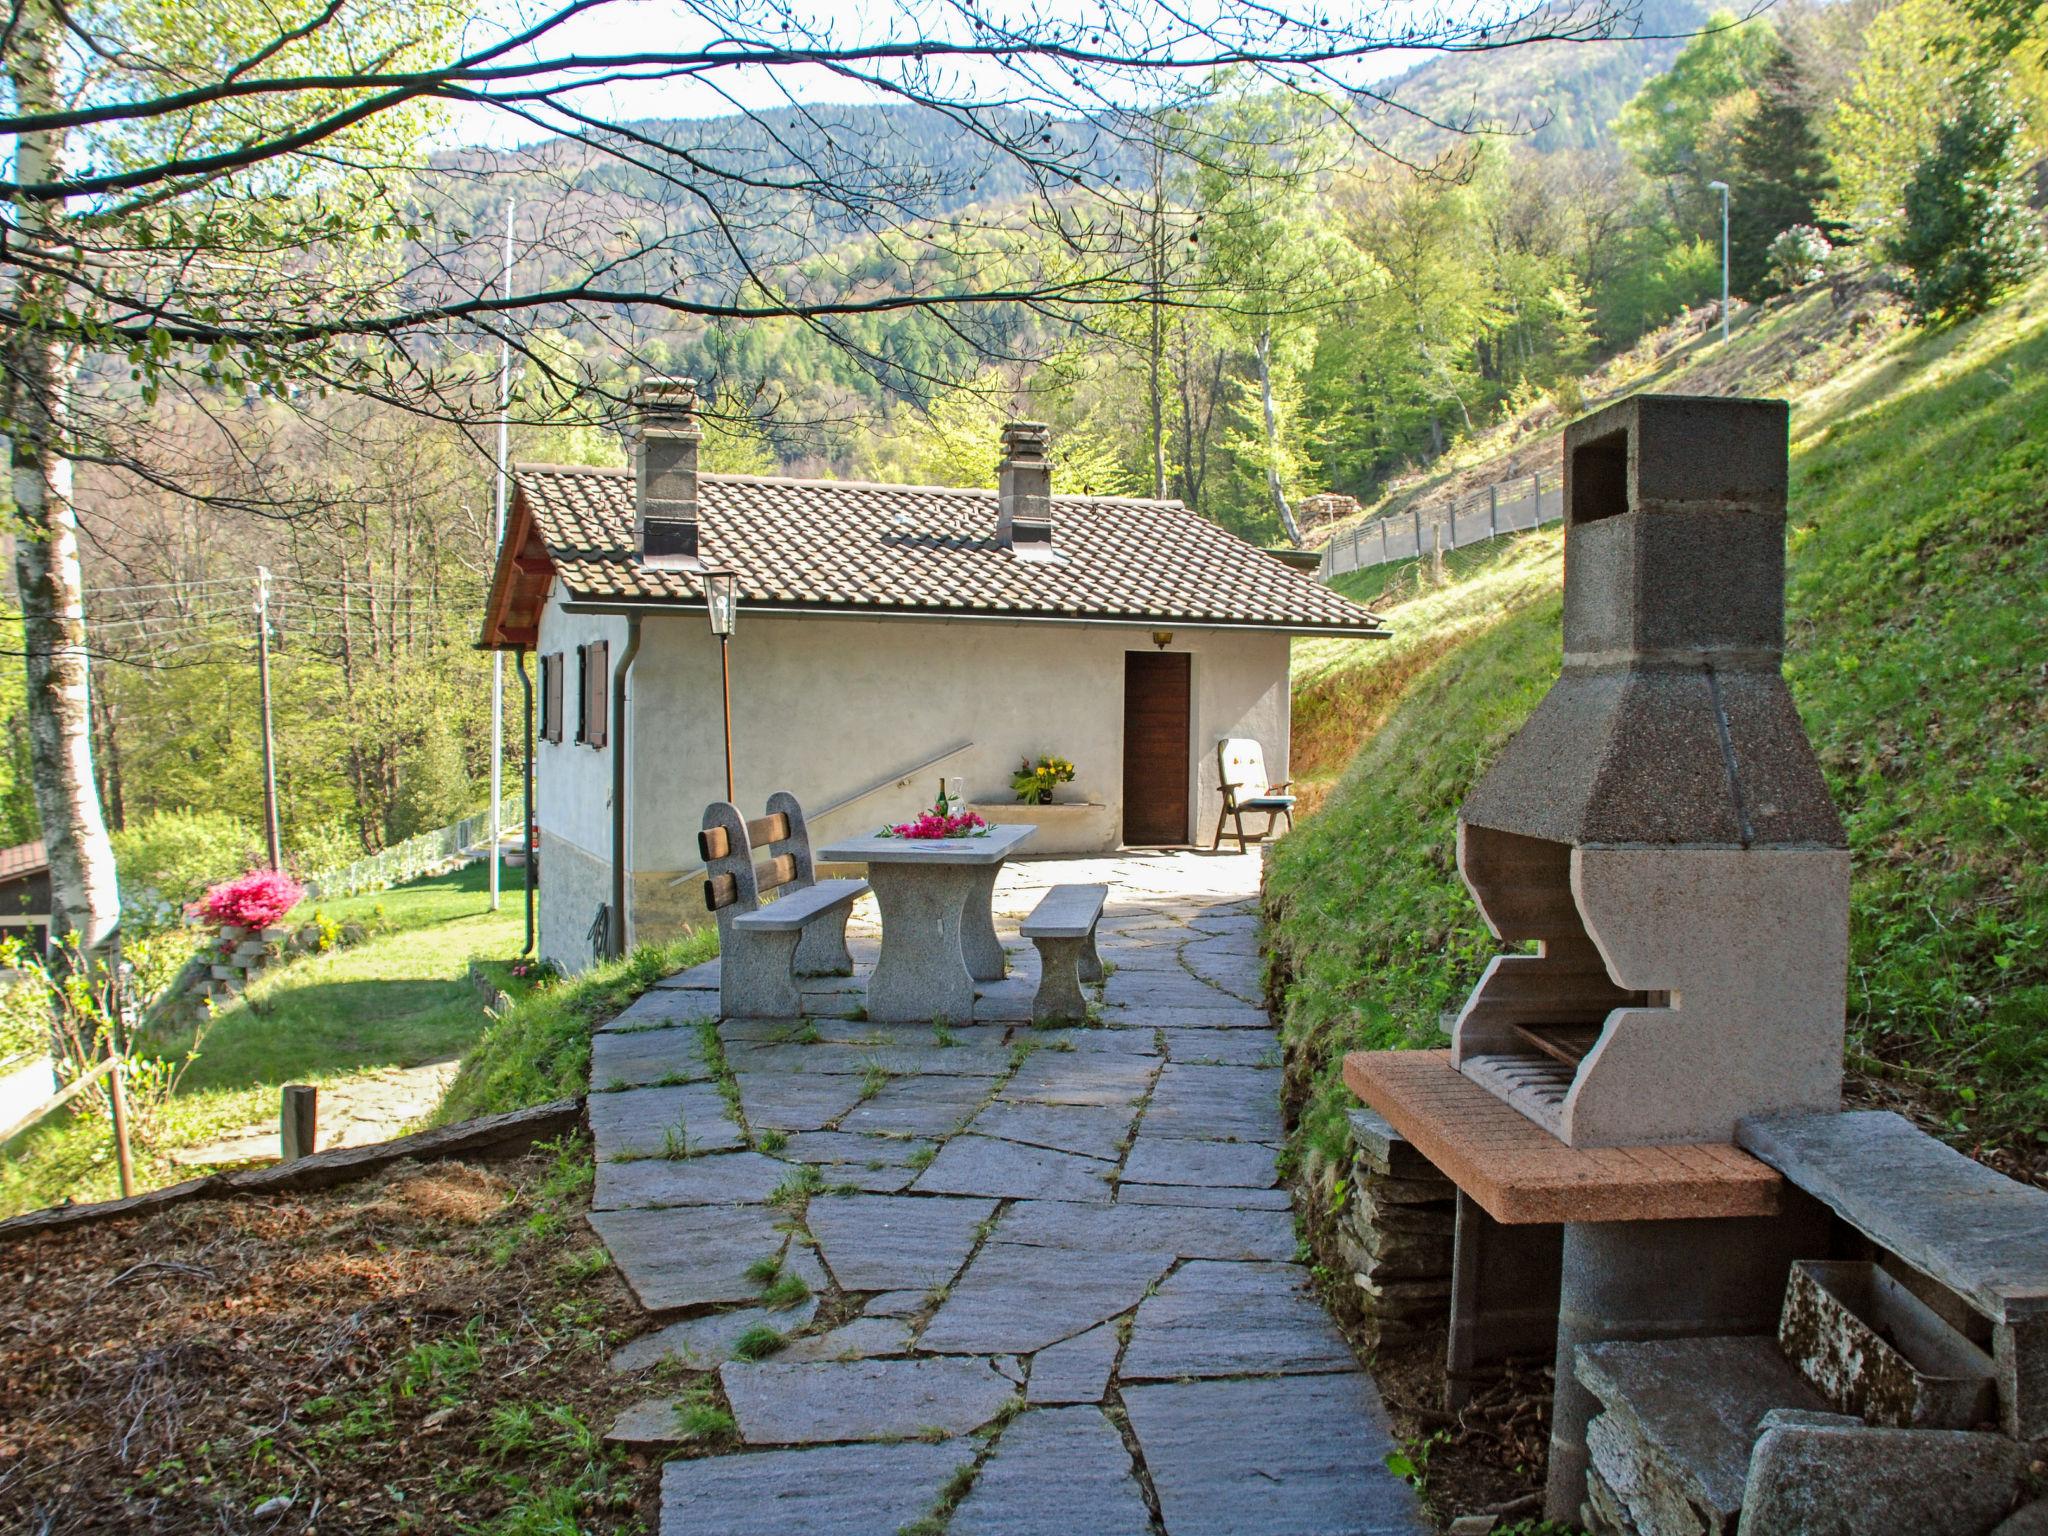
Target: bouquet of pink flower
x=258 y=899
x=934 y=824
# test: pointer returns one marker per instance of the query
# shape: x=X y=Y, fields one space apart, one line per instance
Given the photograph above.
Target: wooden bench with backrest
x=1062 y=925
x=764 y=948
x=1241 y=763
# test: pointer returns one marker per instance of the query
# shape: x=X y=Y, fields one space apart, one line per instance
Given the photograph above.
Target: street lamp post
x=1722 y=188
x=722 y=606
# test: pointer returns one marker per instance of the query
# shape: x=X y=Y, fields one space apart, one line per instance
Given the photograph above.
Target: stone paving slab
x=1074 y=1077
x=1132 y=952
x=1161 y=989
x=659 y=1122
x=641 y=1057
x=694 y=1258
x=1056 y=1472
x=716 y=1178
x=1075 y=1370
x=1210 y=1319
x=1092 y=1130
x=895 y=1243
x=1217 y=1103
x=1222 y=1047
x=1128 y=1193
x=697 y=977
x=1126 y=1039
x=919 y=1106
x=1279 y=1456
x=1219 y=1015
x=1219 y=1233
x=832 y=1401
x=875 y=1164
x=663 y=1008
x=982 y=1165
x=848 y=1490
x=786 y=1101
x=1016 y=1300
x=1210 y=1164
x=861 y=1338
x=703 y=1343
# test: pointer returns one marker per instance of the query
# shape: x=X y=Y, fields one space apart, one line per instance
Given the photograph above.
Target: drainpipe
x=618 y=745
x=526 y=833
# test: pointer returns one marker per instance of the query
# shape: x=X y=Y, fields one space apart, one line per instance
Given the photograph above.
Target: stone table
x=938 y=925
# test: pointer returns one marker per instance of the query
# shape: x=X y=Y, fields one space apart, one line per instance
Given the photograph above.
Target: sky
x=621 y=26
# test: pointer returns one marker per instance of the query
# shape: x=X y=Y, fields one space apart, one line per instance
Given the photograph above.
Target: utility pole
x=1722 y=188
x=269 y=740
x=497 y=548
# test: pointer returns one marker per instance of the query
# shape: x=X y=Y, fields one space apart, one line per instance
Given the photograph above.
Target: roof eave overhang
x=643 y=606
x=519 y=583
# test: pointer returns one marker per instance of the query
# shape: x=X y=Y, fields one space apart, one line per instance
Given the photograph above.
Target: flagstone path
x=1027 y=1282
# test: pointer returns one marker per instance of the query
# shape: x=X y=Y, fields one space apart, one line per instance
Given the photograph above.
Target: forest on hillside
x=1320 y=294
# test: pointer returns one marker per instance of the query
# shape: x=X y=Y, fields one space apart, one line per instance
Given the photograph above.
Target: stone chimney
x=1024 y=484
x=664 y=439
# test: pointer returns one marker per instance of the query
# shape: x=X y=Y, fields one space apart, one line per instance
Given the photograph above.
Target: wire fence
x=1506 y=506
x=416 y=855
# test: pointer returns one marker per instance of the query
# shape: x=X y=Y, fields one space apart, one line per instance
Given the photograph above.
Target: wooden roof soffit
x=519 y=584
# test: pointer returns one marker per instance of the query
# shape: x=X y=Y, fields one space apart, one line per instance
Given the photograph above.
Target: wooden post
x=297 y=1122
x=1436 y=572
x=1383 y=541
x=1418 y=534
x=117 y=1096
x=1493 y=510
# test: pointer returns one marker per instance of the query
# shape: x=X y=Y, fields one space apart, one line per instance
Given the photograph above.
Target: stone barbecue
x=1660 y=827
x=1765 y=1316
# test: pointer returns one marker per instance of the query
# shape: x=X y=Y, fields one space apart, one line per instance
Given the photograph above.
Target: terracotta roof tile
x=844 y=545
x=23 y=859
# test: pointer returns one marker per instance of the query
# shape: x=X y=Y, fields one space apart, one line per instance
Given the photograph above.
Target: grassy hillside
x=1918 y=653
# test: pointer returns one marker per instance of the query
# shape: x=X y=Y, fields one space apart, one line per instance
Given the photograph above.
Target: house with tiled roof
x=887 y=637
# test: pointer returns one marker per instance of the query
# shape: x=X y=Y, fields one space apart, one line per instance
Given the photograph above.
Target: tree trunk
x=84 y=898
x=1273 y=485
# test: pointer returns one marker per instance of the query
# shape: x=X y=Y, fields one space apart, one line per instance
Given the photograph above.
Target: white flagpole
x=497 y=545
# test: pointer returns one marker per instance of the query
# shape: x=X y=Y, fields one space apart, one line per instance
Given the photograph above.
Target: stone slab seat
x=1062 y=925
x=1983 y=1236
x=764 y=948
x=797 y=910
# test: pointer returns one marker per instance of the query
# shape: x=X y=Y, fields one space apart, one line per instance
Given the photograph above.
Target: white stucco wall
x=824 y=707
x=572 y=791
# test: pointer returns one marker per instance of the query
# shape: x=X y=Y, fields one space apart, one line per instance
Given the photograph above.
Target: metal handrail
x=887 y=781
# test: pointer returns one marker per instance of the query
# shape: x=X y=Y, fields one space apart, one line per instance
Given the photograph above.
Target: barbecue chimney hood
x=1660 y=827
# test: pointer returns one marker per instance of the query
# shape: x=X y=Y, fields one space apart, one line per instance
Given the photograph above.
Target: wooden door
x=1156 y=724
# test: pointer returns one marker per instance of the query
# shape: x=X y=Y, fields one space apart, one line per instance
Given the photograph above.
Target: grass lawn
x=400 y=998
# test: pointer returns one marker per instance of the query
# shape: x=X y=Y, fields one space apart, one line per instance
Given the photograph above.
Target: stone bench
x=764 y=948
x=1062 y=925
x=1983 y=1238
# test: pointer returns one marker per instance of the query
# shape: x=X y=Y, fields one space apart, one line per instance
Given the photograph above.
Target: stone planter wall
x=1065 y=826
x=235 y=956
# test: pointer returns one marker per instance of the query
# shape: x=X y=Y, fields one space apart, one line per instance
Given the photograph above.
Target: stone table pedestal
x=938 y=927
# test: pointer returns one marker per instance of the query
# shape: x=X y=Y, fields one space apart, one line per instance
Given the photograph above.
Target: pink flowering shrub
x=935 y=824
x=256 y=900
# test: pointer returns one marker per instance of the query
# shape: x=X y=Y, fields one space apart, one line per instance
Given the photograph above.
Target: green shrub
x=1968 y=233
x=169 y=858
